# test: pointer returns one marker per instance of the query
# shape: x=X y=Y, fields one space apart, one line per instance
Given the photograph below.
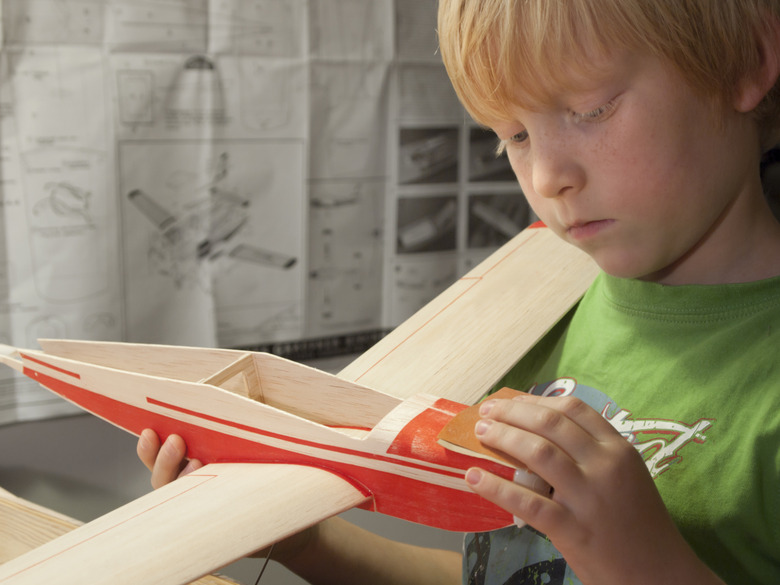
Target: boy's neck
x=743 y=247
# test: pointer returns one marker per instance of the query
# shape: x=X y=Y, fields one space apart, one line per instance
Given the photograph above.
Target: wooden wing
x=457 y=347
x=180 y=532
x=462 y=342
x=27 y=526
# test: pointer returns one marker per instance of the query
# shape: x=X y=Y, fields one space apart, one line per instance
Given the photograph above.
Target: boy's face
x=632 y=168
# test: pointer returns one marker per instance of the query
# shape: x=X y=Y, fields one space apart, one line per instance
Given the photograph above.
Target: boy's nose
x=556 y=172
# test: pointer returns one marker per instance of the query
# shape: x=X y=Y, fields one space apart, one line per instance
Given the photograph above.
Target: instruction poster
x=294 y=176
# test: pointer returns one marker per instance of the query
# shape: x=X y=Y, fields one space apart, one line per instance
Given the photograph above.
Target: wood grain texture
x=461 y=343
x=278 y=382
x=182 y=531
x=25 y=526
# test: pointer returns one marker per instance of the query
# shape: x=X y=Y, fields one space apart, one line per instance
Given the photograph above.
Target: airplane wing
x=462 y=342
x=181 y=531
x=457 y=347
x=27 y=525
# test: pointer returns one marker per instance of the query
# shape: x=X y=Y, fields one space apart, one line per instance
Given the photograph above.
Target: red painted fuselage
x=244 y=411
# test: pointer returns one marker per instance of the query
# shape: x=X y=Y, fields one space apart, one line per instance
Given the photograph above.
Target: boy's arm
x=333 y=551
x=340 y=553
x=605 y=514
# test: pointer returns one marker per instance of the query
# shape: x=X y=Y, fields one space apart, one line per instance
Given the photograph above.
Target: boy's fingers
x=569 y=424
x=542 y=456
x=586 y=417
x=169 y=462
x=539 y=511
x=192 y=465
x=147 y=448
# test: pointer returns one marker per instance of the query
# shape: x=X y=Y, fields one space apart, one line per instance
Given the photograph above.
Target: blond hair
x=505 y=53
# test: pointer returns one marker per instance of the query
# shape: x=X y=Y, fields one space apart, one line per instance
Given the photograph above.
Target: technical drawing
x=426 y=224
x=348 y=114
x=102 y=325
x=495 y=218
x=214 y=228
x=280 y=321
x=66 y=22
x=345 y=274
x=65 y=201
x=5 y=284
x=158 y=25
x=417 y=280
x=428 y=155
x=136 y=97
x=270 y=28
x=426 y=94
x=45 y=326
x=197 y=93
x=351 y=29
x=205 y=230
x=269 y=91
x=484 y=162
x=66 y=214
x=203 y=234
x=414 y=22
x=267 y=28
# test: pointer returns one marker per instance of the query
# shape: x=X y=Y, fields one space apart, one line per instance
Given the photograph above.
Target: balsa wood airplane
x=26 y=526
x=366 y=437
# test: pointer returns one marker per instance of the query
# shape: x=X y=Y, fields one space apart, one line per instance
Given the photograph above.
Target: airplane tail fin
x=10 y=357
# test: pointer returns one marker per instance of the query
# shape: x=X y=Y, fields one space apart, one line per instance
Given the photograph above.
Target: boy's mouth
x=583 y=230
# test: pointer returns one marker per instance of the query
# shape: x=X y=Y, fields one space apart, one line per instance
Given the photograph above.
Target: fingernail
x=486 y=407
x=482 y=427
x=473 y=476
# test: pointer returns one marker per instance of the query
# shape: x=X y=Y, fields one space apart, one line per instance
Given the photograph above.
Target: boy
x=636 y=129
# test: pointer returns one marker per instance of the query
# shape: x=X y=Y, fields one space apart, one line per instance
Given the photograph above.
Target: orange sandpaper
x=458 y=434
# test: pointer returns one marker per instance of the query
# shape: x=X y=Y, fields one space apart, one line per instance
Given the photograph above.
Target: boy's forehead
x=557 y=82
x=525 y=56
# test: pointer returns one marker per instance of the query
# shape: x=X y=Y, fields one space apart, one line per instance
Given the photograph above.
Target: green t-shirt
x=691 y=376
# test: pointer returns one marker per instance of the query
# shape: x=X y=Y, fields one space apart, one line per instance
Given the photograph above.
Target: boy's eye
x=518 y=138
x=596 y=115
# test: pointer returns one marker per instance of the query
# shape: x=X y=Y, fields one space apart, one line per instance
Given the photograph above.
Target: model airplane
x=246 y=407
x=327 y=443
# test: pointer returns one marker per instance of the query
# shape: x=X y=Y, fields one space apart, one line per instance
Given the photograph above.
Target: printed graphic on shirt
x=523 y=556
x=658 y=441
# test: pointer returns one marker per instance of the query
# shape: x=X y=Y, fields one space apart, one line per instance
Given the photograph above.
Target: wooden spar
x=187 y=528
x=26 y=526
x=277 y=382
x=462 y=342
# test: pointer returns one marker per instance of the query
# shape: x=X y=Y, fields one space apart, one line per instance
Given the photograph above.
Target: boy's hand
x=167 y=461
x=604 y=515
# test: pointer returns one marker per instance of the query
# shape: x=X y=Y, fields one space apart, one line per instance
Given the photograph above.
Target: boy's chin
x=628 y=267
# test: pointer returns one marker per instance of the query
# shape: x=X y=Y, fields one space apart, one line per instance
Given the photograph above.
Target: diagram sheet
x=294 y=176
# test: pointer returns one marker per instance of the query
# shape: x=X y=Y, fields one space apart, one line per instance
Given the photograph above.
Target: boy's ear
x=753 y=87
